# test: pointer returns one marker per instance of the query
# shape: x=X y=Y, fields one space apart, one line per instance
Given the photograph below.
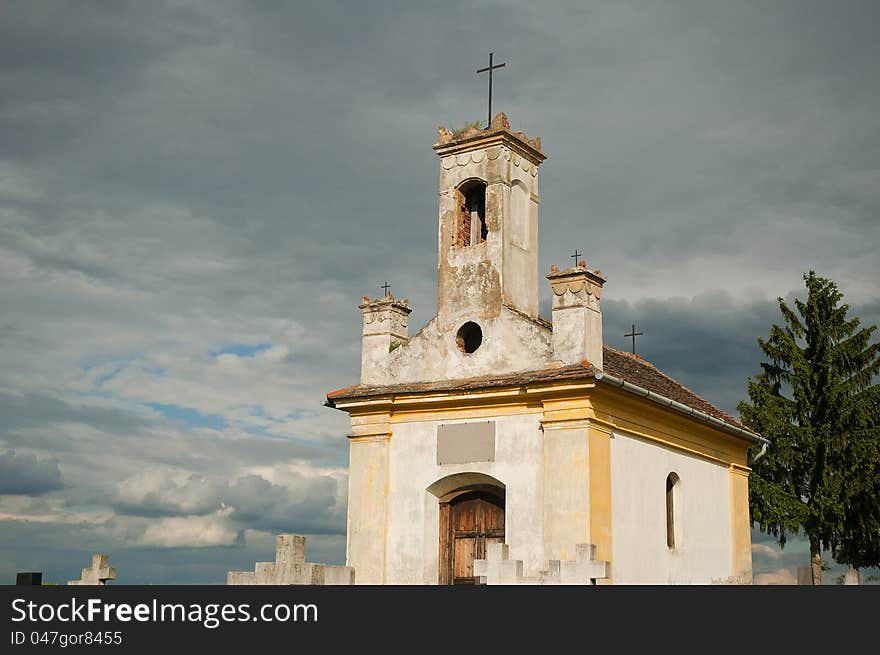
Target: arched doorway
x=470 y=520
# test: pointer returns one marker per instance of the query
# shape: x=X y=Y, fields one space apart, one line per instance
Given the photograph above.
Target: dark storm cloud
x=687 y=117
x=35 y=410
x=265 y=506
x=25 y=474
x=709 y=342
x=308 y=504
x=61 y=551
x=63 y=65
x=177 y=177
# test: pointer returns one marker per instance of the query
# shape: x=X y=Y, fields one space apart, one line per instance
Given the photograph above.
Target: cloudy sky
x=195 y=195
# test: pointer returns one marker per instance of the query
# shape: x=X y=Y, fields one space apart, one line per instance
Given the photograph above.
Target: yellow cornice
x=563 y=404
x=510 y=396
x=627 y=413
x=365 y=438
x=371 y=427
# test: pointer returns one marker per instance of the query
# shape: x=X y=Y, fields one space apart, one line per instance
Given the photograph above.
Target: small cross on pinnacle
x=634 y=334
x=490 y=68
x=575 y=256
x=385 y=286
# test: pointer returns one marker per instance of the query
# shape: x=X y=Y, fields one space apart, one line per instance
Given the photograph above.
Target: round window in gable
x=469 y=337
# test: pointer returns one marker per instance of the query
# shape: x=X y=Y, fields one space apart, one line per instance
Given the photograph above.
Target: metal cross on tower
x=575 y=256
x=634 y=334
x=385 y=286
x=490 y=68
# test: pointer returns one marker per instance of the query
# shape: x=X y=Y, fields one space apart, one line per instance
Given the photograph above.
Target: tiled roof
x=574 y=372
x=635 y=370
x=619 y=364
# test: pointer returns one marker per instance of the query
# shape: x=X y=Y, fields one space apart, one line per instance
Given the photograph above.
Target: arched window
x=470 y=219
x=673 y=487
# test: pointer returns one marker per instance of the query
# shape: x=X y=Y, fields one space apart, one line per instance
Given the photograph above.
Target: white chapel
x=495 y=445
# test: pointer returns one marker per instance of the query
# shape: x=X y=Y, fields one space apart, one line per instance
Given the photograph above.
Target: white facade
x=639 y=469
x=416 y=481
x=702 y=552
x=577 y=458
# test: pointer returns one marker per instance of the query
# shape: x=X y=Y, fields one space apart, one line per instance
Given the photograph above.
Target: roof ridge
x=632 y=356
x=618 y=364
x=691 y=391
x=539 y=320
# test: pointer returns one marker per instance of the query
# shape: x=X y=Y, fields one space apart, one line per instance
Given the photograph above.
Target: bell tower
x=488 y=236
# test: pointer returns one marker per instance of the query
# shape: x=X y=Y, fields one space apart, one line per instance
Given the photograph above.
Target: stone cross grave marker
x=290 y=568
x=98 y=573
x=498 y=568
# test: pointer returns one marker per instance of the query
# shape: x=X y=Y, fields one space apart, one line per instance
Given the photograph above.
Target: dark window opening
x=469 y=337
x=470 y=223
x=671 y=482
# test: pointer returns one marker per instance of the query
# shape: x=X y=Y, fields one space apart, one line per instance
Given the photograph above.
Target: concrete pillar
x=577 y=316
x=851 y=577
x=290 y=554
x=804 y=575
x=385 y=328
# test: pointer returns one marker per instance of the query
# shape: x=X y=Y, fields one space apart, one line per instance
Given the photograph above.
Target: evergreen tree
x=816 y=402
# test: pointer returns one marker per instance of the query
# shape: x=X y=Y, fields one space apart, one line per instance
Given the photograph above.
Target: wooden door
x=468 y=524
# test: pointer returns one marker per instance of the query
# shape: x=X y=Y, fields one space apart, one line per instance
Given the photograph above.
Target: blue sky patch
x=189 y=417
x=241 y=349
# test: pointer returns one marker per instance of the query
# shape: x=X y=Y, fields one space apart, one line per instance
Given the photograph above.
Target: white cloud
x=777 y=577
x=169 y=490
x=191 y=531
x=766 y=551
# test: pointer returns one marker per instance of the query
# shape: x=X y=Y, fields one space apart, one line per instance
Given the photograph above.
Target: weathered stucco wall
x=475 y=280
x=412 y=547
x=510 y=343
x=520 y=268
x=566 y=490
x=493 y=283
x=638 y=516
x=367 y=506
x=567 y=485
x=577 y=316
x=385 y=326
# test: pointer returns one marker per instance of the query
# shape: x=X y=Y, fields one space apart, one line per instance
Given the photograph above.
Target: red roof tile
x=635 y=370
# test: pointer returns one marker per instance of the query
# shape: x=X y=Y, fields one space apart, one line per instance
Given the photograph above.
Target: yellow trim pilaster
x=566 y=478
x=600 y=490
x=740 y=523
x=368 y=482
